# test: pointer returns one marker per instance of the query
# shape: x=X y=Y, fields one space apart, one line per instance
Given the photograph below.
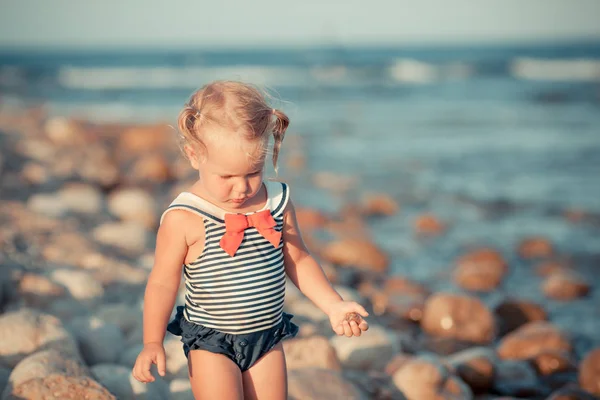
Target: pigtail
x=187 y=124
x=281 y=124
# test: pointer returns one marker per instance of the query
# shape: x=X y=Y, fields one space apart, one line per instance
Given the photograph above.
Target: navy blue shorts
x=244 y=350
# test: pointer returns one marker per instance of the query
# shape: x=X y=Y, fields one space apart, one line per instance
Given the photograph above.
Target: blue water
x=496 y=151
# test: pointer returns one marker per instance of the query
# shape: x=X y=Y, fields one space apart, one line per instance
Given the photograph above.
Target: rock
x=429 y=225
x=38 y=290
x=50 y=374
x=4 y=374
x=375 y=384
x=47 y=204
x=514 y=313
x=443 y=346
x=311 y=352
x=350 y=227
x=68 y=247
x=397 y=362
x=373 y=350
x=349 y=294
x=44 y=363
x=531 y=340
x=34 y=173
x=571 y=393
x=475 y=367
x=177 y=363
x=458 y=316
x=376 y=204
x=589 y=372
x=132 y=350
x=480 y=270
x=153 y=168
x=292 y=293
x=66 y=309
x=320 y=384
x=428 y=378
x=134 y=205
x=401 y=285
x=357 y=253
x=180 y=389
x=400 y=298
x=310 y=219
x=81 y=198
x=124 y=316
x=63 y=131
x=60 y=387
x=516 y=378
x=26 y=331
x=565 y=286
x=80 y=284
x=144 y=139
x=119 y=381
x=334 y=182
x=552 y=362
x=128 y=236
x=99 y=341
x=535 y=247
x=97 y=166
x=306 y=308
x=547 y=268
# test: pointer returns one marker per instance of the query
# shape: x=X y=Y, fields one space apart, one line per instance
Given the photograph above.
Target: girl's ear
x=192 y=155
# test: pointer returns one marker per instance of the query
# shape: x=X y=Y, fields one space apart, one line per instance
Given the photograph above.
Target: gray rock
x=134 y=205
x=180 y=389
x=80 y=284
x=321 y=384
x=53 y=374
x=119 y=381
x=373 y=350
x=26 y=331
x=81 y=198
x=47 y=204
x=99 y=341
x=128 y=236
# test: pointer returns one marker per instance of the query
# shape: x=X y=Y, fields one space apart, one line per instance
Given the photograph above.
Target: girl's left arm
x=308 y=276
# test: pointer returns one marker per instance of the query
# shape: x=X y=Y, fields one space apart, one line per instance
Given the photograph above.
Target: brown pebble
x=353 y=317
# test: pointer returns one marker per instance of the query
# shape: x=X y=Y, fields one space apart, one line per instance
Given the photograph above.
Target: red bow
x=236 y=224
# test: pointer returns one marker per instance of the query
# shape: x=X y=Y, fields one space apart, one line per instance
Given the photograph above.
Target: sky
x=242 y=23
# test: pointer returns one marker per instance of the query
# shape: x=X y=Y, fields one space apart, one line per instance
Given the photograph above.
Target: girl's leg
x=267 y=378
x=214 y=376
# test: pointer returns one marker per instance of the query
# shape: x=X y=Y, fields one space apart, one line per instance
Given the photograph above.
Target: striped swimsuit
x=240 y=294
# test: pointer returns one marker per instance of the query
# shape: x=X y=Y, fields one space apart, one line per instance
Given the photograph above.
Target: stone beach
x=79 y=207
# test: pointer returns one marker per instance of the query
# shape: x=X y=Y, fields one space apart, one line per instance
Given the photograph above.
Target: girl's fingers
x=347 y=329
x=364 y=325
x=355 y=329
x=339 y=330
x=161 y=364
x=361 y=310
x=145 y=371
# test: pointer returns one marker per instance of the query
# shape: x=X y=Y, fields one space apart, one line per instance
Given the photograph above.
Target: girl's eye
x=225 y=176
x=256 y=173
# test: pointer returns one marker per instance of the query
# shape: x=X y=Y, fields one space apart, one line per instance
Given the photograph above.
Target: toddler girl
x=236 y=238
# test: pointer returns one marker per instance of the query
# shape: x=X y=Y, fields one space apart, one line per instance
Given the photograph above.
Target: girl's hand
x=153 y=353
x=346 y=318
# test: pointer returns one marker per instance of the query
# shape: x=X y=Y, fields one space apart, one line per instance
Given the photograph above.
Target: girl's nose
x=242 y=186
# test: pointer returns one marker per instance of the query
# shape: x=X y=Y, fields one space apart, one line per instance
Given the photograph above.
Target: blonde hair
x=238 y=106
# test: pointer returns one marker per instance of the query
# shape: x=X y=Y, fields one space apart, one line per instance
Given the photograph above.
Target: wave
x=408 y=70
x=566 y=70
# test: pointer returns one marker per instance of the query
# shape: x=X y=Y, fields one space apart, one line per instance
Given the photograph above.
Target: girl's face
x=230 y=171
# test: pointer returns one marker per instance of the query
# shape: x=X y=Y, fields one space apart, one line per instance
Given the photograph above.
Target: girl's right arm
x=161 y=293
